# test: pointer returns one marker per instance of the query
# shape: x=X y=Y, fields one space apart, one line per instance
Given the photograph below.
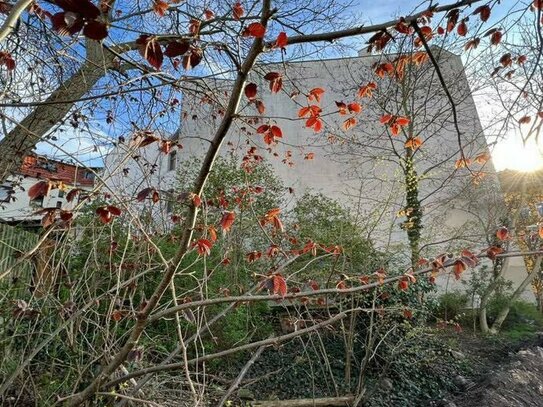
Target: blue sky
x=373 y=11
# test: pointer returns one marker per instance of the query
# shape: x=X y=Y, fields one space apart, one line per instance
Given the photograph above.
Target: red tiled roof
x=44 y=168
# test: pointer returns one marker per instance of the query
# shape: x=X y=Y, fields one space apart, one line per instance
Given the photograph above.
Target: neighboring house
x=15 y=205
x=360 y=167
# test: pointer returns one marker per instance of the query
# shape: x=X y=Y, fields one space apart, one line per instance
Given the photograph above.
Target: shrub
x=450 y=305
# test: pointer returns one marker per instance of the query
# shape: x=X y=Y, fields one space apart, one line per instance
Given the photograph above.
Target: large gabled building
x=362 y=167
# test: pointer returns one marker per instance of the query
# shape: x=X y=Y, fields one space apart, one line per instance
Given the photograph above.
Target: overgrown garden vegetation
x=231 y=286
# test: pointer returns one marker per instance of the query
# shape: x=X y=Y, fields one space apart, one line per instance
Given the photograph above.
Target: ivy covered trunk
x=413 y=224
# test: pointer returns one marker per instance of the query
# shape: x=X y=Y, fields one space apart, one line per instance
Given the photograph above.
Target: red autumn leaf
x=49 y=218
x=380 y=275
x=403 y=284
x=7 y=60
x=525 y=120
x=273 y=250
x=493 y=251
x=194 y=26
x=354 y=107
x=282 y=40
x=384 y=69
x=260 y=107
x=385 y=119
x=540 y=230
x=253 y=256
x=402 y=27
x=342 y=108
x=104 y=214
x=276 y=81
x=176 y=48
x=462 y=28
x=462 y=163
x=150 y=49
x=496 y=38
x=192 y=59
x=114 y=210
x=255 y=30
x=95 y=30
x=312 y=110
x=482 y=158
x=407 y=313
x=39 y=190
x=483 y=11
x=315 y=94
x=349 y=123
x=66 y=216
x=237 y=10
x=502 y=233
x=251 y=90
x=279 y=285
x=315 y=123
x=506 y=60
x=276 y=131
x=203 y=247
x=472 y=44
x=341 y=285
x=402 y=121
x=208 y=14
x=227 y=221
x=196 y=200
x=143 y=194
x=160 y=7
x=165 y=146
x=413 y=143
x=367 y=90
x=458 y=268
x=309 y=156
x=212 y=233
x=70 y=196
x=262 y=129
x=452 y=19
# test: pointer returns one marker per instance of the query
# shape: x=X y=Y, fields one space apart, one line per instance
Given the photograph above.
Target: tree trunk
x=505 y=310
x=330 y=401
x=483 y=323
x=20 y=141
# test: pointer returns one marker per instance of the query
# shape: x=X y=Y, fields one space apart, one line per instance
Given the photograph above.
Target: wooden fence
x=13 y=240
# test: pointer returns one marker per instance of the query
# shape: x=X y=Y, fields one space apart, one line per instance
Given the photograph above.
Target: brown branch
x=335 y=35
x=190 y=222
x=241 y=375
x=303 y=294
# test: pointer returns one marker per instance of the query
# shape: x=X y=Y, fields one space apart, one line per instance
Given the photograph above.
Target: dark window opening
x=172 y=161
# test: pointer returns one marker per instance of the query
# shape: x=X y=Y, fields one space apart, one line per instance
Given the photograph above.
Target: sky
x=509 y=153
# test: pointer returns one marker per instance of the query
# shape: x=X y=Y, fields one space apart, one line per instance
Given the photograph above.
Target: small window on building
x=89 y=175
x=60 y=193
x=37 y=203
x=59 y=204
x=172 y=161
x=6 y=191
x=47 y=166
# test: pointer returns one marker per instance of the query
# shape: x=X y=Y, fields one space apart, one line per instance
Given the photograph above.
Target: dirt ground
x=507 y=376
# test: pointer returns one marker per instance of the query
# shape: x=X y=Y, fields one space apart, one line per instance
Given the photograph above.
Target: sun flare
x=512 y=154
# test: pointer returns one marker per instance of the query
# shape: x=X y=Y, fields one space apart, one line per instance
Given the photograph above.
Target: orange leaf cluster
x=272 y=217
x=395 y=123
x=270 y=133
